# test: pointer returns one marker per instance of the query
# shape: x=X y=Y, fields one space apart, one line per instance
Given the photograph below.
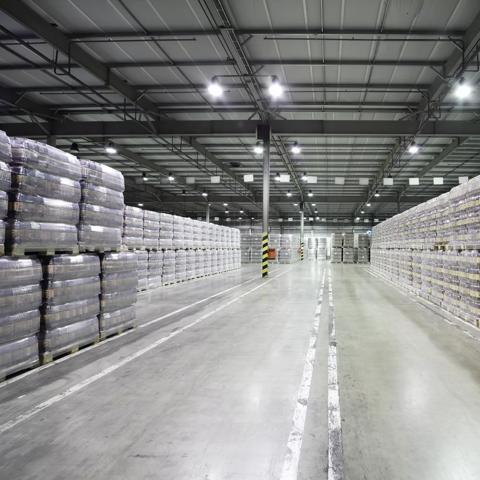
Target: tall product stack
x=289 y=246
x=180 y=265
x=348 y=251
x=151 y=229
x=322 y=249
x=132 y=236
x=168 y=268
x=165 y=240
x=363 y=255
x=101 y=208
x=178 y=232
x=70 y=309
x=433 y=251
x=142 y=269
x=200 y=256
x=155 y=267
x=311 y=244
x=119 y=293
x=20 y=300
x=44 y=199
x=337 y=248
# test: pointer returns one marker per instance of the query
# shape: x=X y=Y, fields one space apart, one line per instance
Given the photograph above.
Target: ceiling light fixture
x=277 y=177
x=413 y=148
x=304 y=176
x=310 y=193
x=296 y=150
x=241 y=211
x=110 y=148
x=140 y=204
x=144 y=177
x=214 y=88
x=289 y=193
x=377 y=194
x=171 y=178
x=462 y=89
x=258 y=148
x=369 y=204
x=227 y=212
x=275 y=89
x=225 y=204
x=204 y=193
x=362 y=211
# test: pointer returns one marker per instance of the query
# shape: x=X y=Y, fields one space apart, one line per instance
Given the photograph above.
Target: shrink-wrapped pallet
x=180 y=265
x=336 y=255
x=190 y=264
x=71 y=289
x=178 y=232
x=151 y=229
x=165 y=240
x=155 y=268
x=20 y=300
x=168 y=268
x=43 y=200
x=118 y=291
x=132 y=235
x=142 y=269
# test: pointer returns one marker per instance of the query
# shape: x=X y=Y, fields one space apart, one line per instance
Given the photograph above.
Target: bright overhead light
x=317 y=218
x=369 y=204
x=258 y=148
x=289 y=193
x=277 y=177
x=362 y=211
x=140 y=204
x=227 y=212
x=463 y=89
x=296 y=150
x=215 y=89
x=316 y=211
x=110 y=148
x=225 y=204
x=241 y=211
x=310 y=193
x=144 y=177
x=357 y=219
x=304 y=176
x=204 y=193
x=377 y=194
x=413 y=148
x=295 y=204
x=314 y=204
x=171 y=178
x=275 y=89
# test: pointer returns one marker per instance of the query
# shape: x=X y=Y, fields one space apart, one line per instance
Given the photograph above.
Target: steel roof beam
x=237 y=128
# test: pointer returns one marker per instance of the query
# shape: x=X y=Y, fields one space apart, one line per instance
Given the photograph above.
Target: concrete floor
x=209 y=392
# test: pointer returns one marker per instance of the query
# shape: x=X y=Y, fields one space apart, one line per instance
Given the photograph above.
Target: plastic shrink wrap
x=132 y=235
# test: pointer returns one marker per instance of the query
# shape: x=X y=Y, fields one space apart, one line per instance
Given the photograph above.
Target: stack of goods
x=168 y=269
x=311 y=247
x=197 y=234
x=20 y=299
x=44 y=198
x=289 y=248
x=437 y=245
x=155 y=268
x=119 y=293
x=180 y=265
x=322 y=249
x=101 y=208
x=151 y=229
x=207 y=269
x=336 y=256
x=348 y=254
x=132 y=227
x=142 y=269
x=363 y=248
x=178 y=232
x=165 y=239
x=215 y=262
x=205 y=227
x=70 y=304
x=200 y=258
x=190 y=264
x=256 y=246
x=187 y=233
x=337 y=240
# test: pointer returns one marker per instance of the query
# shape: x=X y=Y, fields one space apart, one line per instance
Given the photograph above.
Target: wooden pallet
x=3 y=377
x=118 y=331
x=48 y=357
x=100 y=249
x=21 y=252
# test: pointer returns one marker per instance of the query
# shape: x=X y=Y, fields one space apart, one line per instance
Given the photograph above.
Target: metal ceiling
x=362 y=79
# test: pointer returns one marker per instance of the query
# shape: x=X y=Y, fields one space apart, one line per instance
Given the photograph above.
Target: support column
x=207 y=214
x=263 y=134
x=302 y=228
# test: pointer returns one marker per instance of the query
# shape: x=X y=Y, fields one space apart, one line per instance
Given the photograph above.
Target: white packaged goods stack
x=433 y=251
x=165 y=239
x=190 y=264
x=348 y=255
x=71 y=289
x=245 y=245
x=205 y=227
x=44 y=199
x=132 y=227
x=155 y=268
x=178 y=232
x=20 y=299
x=322 y=249
x=336 y=256
x=101 y=208
x=200 y=259
x=363 y=255
x=348 y=240
x=180 y=265
x=311 y=244
x=188 y=233
x=337 y=240
x=142 y=269
x=208 y=262
x=289 y=245
x=168 y=270
x=119 y=293
x=151 y=229
x=256 y=246
x=197 y=234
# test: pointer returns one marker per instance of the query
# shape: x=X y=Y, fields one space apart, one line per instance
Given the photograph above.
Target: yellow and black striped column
x=265 y=255
x=302 y=249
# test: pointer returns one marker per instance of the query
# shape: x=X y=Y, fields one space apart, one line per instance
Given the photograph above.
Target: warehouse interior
x=239 y=239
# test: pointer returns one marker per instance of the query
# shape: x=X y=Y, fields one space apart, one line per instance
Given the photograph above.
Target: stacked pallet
x=322 y=249
x=348 y=245
x=155 y=268
x=151 y=229
x=433 y=250
x=118 y=293
x=20 y=299
x=101 y=208
x=289 y=248
x=142 y=269
x=44 y=199
x=165 y=239
x=132 y=235
x=363 y=253
x=70 y=307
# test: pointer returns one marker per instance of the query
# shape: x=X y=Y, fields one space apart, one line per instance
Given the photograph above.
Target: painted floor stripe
x=112 y=368
x=116 y=337
x=335 y=442
x=295 y=439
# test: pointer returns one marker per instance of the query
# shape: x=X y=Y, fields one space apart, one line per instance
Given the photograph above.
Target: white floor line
x=112 y=368
x=335 y=442
x=116 y=337
x=295 y=439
